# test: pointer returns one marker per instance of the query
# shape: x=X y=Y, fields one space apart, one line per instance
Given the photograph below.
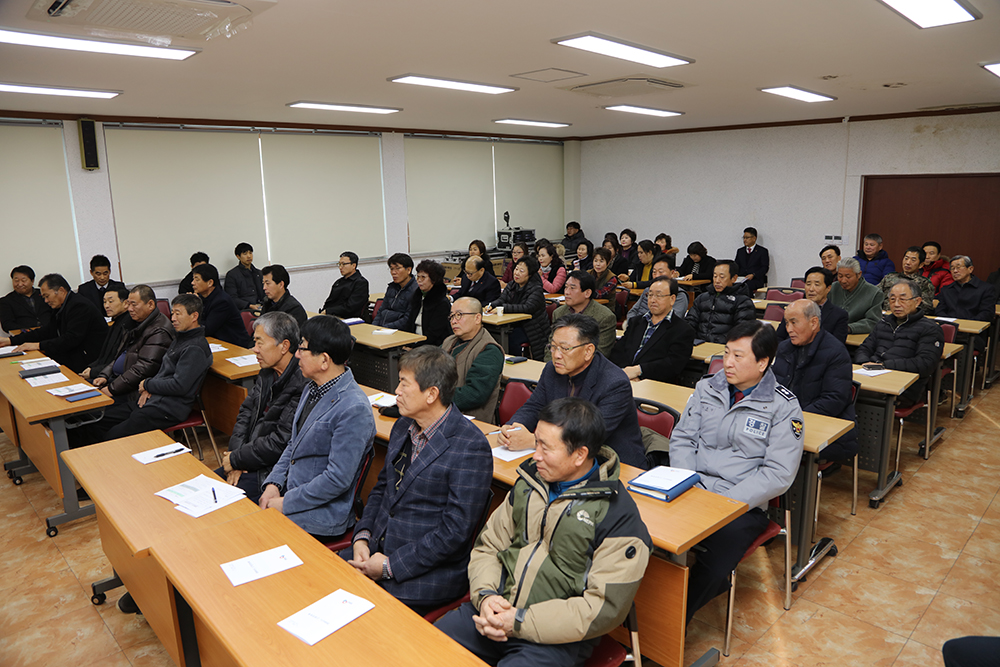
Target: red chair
x=378 y=304
x=551 y=308
x=621 y=306
x=164 y=306
x=949 y=330
x=855 y=390
x=656 y=416
x=775 y=312
x=248 y=319
x=798 y=283
x=609 y=653
x=715 y=364
x=784 y=294
x=902 y=413
x=344 y=540
x=515 y=394
x=195 y=419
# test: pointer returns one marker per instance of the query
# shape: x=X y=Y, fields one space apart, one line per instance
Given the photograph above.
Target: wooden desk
x=226 y=386
x=762 y=304
x=225 y=625
x=501 y=326
x=375 y=296
x=967 y=330
x=41 y=421
x=131 y=519
x=706 y=351
x=693 y=283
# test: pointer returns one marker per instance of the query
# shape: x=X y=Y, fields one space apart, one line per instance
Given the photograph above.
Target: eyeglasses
x=658 y=295
x=902 y=299
x=454 y=317
x=564 y=349
x=344 y=263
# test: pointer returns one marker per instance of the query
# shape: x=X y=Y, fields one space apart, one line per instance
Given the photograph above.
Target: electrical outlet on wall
x=833 y=239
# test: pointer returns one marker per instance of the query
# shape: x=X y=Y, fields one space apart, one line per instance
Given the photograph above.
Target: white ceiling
x=328 y=51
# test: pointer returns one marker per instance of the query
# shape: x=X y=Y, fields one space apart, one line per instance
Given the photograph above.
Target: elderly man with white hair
x=861 y=299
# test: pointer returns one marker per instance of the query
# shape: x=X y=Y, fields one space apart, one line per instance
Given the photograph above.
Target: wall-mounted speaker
x=88 y=144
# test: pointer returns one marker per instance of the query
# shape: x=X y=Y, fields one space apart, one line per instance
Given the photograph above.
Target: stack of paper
x=871 y=374
x=70 y=390
x=382 y=400
x=160 y=453
x=245 y=360
x=383 y=332
x=42 y=380
x=32 y=364
x=215 y=347
x=326 y=616
x=504 y=454
x=201 y=495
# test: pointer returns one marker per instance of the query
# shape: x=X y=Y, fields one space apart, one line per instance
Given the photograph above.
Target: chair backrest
x=247 y=321
x=621 y=305
x=551 y=308
x=366 y=466
x=164 y=306
x=798 y=282
x=855 y=390
x=715 y=364
x=774 y=311
x=656 y=416
x=784 y=294
x=515 y=394
x=948 y=329
x=378 y=304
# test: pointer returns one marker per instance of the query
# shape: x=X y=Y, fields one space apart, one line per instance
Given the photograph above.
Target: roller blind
x=324 y=196
x=449 y=187
x=35 y=207
x=177 y=192
x=529 y=184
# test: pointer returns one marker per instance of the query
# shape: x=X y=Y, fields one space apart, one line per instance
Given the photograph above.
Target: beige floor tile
x=757 y=607
x=985 y=542
x=843 y=529
x=80 y=543
x=974 y=580
x=128 y=629
x=866 y=595
x=38 y=599
x=935 y=526
x=25 y=557
x=949 y=617
x=993 y=512
x=702 y=637
x=957 y=498
x=149 y=654
x=901 y=557
x=117 y=660
x=915 y=654
x=758 y=657
x=75 y=638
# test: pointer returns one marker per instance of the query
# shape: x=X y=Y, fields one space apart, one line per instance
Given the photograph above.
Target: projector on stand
x=507 y=237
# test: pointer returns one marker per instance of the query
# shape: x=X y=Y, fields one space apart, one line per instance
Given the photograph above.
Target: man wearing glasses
x=478 y=357
x=349 y=295
x=578 y=369
x=477 y=282
x=904 y=340
x=658 y=345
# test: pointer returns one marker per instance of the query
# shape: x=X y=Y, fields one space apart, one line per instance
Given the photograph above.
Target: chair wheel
x=795 y=586
x=98 y=598
x=10 y=474
x=874 y=504
x=832 y=551
x=18 y=481
x=51 y=531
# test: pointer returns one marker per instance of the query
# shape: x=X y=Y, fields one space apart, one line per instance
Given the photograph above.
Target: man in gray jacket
x=861 y=299
x=742 y=432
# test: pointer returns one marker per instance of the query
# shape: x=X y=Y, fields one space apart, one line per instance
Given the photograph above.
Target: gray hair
x=472 y=303
x=809 y=308
x=914 y=290
x=279 y=326
x=849 y=263
x=965 y=260
x=432 y=367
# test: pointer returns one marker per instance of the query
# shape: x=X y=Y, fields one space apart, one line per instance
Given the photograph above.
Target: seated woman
x=476 y=249
x=641 y=275
x=698 y=265
x=430 y=308
x=518 y=251
x=584 y=260
x=552 y=271
x=526 y=295
x=666 y=246
x=606 y=280
x=630 y=251
x=617 y=263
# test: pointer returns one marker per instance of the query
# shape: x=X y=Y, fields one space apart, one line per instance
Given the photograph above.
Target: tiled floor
x=922 y=569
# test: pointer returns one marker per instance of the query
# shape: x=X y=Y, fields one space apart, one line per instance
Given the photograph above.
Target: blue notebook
x=664 y=483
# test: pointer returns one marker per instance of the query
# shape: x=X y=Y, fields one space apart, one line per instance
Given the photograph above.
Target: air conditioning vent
x=626 y=87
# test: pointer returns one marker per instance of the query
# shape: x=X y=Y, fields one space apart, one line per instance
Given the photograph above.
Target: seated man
x=221 y=318
x=332 y=433
x=94 y=290
x=817 y=369
x=23 y=308
x=913 y=259
x=264 y=423
x=75 y=333
x=553 y=612
x=579 y=290
x=394 y=313
x=833 y=318
x=873 y=260
x=142 y=350
x=574 y=237
x=861 y=299
x=349 y=295
x=937 y=267
x=185 y=287
x=116 y=307
x=752 y=261
x=742 y=432
x=479 y=359
x=421 y=518
x=578 y=369
x=968 y=297
x=659 y=346
x=244 y=283
x=664 y=265
x=829 y=256
x=277 y=297
x=477 y=282
x=904 y=340
x=721 y=308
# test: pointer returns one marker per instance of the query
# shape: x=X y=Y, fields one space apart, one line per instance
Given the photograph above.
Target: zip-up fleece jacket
x=570 y=567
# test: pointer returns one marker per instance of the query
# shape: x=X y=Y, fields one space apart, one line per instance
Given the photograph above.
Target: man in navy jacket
x=833 y=319
x=753 y=261
x=222 y=319
x=421 y=518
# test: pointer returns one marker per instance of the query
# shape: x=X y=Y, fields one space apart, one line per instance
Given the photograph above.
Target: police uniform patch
x=756 y=427
x=796 y=428
x=784 y=391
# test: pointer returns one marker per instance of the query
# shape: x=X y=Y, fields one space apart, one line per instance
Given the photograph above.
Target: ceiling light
x=66 y=92
x=931 y=13
x=993 y=67
x=356 y=108
x=617 y=48
x=535 y=123
x=662 y=113
x=798 y=94
x=453 y=85
x=92 y=45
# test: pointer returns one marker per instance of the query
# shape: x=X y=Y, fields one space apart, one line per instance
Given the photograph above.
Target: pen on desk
x=214 y=497
x=510 y=430
x=173 y=451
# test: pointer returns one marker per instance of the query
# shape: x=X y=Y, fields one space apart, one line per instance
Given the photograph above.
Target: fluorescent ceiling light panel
x=646 y=111
x=993 y=68
x=931 y=13
x=535 y=123
x=617 y=48
x=355 y=108
x=92 y=45
x=798 y=94
x=452 y=85
x=65 y=92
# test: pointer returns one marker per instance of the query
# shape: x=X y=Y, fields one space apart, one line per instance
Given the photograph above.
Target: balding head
x=466 y=317
x=802 y=321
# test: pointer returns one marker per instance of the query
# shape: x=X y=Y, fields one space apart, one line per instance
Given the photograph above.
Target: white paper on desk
x=8 y=349
x=215 y=347
x=78 y=388
x=759 y=300
x=740 y=279
x=261 y=565
x=245 y=360
x=324 y=617
x=384 y=332
x=180 y=492
x=504 y=454
x=30 y=364
x=353 y=320
x=209 y=500
x=161 y=453
x=382 y=400
x=555 y=298
x=51 y=378
x=946 y=319
x=864 y=371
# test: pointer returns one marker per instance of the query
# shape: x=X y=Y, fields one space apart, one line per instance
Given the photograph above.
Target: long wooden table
x=131 y=519
x=226 y=386
x=501 y=326
x=38 y=422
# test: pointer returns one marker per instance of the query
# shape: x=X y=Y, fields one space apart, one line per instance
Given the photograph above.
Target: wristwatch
x=385 y=570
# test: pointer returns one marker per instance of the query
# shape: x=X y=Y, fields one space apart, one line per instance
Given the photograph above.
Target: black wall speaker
x=88 y=144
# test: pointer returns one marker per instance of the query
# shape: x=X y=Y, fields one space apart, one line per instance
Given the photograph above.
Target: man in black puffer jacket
x=817 y=368
x=721 y=308
x=904 y=340
x=264 y=425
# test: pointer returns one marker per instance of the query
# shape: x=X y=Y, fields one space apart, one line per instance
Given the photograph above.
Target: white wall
x=795 y=184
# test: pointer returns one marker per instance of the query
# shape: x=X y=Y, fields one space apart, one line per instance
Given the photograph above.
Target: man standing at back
x=221 y=318
x=244 y=283
x=95 y=289
x=478 y=358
